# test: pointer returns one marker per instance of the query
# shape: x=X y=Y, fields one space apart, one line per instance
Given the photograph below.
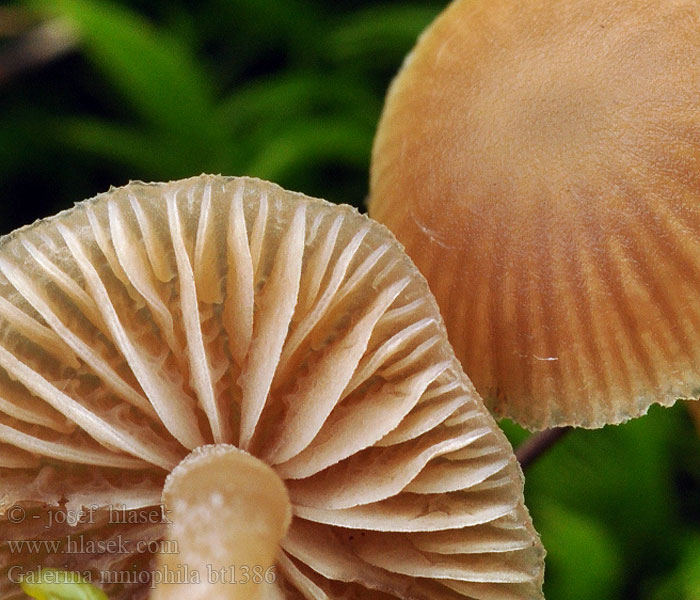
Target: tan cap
x=540 y=162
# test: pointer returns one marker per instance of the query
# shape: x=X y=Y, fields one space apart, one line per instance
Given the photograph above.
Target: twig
x=14 y=20
x=537 y=444
x=40 y=45
x=693 y=408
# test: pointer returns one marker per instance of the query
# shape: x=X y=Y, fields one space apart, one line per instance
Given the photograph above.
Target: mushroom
x=243 y=354
x=540 y=162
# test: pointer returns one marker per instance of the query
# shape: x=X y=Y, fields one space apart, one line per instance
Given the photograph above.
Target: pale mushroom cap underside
x=158 y=318
x=540 y=161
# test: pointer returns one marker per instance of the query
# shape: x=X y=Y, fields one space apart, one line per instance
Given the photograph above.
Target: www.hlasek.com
x=81 y=544
x=182 y=574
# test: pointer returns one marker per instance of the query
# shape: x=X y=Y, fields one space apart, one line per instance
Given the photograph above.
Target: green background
x=291 y=90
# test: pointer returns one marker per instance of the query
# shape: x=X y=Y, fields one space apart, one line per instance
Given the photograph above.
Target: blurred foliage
x=291 y=90
x=52 y=584
x=618 y=509
x=286 y=90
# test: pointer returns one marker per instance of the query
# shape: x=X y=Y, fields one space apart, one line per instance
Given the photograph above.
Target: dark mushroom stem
x=536 y=445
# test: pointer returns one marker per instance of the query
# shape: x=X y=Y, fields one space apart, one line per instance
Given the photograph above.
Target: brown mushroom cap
x=540 y=162
x=276 y=338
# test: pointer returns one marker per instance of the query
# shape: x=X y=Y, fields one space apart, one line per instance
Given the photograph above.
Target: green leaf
x=151 y=70
x=295 y=95
x=684 y=582
x=312 y=142
x=621 y=474
x=379 y=34
x=52 y=584
x=571 y=538
x=150 y=154
x=623 y=478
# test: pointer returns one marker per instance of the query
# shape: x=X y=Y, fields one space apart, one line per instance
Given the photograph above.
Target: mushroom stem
x=537 y=444
x=228 y=512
